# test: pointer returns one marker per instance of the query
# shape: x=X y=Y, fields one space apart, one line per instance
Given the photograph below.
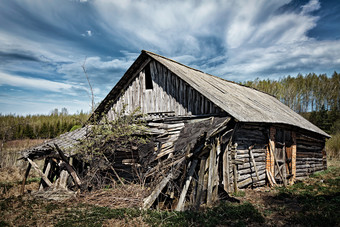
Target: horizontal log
x=259 y=183
x=249 y=180
x=252 y=169
x=253 y=175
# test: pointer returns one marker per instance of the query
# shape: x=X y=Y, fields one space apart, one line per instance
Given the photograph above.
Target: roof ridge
x=229 y=81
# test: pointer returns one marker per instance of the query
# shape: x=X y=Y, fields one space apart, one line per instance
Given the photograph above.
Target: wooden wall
x=169 y=94
x=309 y=155
x=251 y=143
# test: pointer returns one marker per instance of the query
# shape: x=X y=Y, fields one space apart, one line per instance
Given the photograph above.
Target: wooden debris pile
x=185 y=165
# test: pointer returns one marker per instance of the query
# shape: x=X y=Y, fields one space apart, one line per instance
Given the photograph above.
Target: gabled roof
x=243 y=103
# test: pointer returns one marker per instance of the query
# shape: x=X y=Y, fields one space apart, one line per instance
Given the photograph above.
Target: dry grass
x=11 y=151
x=122 y=196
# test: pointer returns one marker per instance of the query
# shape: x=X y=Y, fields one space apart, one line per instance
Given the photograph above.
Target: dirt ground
x=276 y=205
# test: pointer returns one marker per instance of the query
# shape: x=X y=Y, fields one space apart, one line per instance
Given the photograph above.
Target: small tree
x=102 y=141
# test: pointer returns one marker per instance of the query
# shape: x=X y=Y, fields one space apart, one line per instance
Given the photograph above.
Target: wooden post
x=234 y=161
x=272 y=148
x=212 y=161
x=292 y=179
x=226 y=168
x=216 y=178
x=25 y=177
x=180 y=204
x=200 y=182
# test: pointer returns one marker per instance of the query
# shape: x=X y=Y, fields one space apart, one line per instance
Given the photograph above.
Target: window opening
x=148 y=79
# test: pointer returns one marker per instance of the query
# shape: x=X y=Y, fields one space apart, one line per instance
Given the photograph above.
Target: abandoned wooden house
x=209 y=136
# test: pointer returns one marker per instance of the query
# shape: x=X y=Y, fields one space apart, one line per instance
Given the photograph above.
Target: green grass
x=224 y=214
x=319 y=199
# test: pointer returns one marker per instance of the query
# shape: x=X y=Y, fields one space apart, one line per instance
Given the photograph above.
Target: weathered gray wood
x=63 y=179
x=216 y=174
x=254 y=163
x=148 y=201
x=180 y=204
x=200 y=182
x=46 y=172
x=212 y=161
x=41 y=174
x=226 y=170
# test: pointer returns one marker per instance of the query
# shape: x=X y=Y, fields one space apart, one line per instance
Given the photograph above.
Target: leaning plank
x=212 y=161
x=180 y=204
x=42 y=175
x=25 y=178
x=154 y=195
x=63 y=179
x=226 y=169
x=254 y=163
x=68 y=166
x=73 y=173
x=200 y=182
x=46 y=172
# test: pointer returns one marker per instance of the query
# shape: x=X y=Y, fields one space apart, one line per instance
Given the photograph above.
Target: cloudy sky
x=43 y=43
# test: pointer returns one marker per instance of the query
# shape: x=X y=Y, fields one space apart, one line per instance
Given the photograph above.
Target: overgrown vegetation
x=104 y=141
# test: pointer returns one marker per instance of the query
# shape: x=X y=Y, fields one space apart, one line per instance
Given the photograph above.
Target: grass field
x=312 y=202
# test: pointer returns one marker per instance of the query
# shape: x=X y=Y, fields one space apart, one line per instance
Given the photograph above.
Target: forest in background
x=15 y=127
x=316 y=97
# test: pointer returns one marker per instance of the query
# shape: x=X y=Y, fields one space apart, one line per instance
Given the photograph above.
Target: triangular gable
x=243 y=103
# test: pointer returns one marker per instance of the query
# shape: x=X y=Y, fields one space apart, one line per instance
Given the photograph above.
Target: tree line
x=315 y=97
x=303 y=93
x=39 y=126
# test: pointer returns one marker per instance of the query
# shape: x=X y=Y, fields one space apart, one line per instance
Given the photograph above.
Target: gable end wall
x=170 y=94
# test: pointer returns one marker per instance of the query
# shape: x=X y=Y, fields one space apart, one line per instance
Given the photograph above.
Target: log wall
x=251 y=151
x=309 y=155
x=169 y=95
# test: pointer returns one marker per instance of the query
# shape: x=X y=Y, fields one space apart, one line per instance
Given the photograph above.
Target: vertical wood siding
x=169 y=94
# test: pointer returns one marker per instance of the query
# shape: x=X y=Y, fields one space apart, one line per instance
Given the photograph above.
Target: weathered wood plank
x=181 y=200
x=212 y=161
x=41 y=174
x=148 y=201
x=200 y=182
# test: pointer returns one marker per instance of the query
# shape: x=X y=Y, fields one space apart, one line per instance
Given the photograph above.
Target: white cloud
x=89 y=33
x=34 y=83
x=311 y=6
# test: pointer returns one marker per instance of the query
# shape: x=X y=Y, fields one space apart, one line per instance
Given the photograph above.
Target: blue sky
x=43 y=44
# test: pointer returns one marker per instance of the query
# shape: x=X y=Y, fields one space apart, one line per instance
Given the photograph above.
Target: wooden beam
x=292 y=179
x=41 y=174
x=180 y=204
